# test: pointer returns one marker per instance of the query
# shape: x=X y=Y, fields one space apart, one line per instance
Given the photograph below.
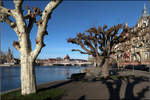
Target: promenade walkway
x=127 y=88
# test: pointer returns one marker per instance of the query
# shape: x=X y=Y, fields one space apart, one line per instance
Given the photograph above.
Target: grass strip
x=49 y=94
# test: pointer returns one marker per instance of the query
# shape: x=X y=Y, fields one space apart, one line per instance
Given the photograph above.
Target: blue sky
x=71 y=17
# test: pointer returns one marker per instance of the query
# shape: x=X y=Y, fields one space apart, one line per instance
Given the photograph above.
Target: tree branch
x=18 y=15
x=31 y=17
x=18 y=4
x=83 y=47
x=16 y=45
x=42 y=24
x=6 y=11
x=30 y=25
x=79 y=51
x=12 y=25
x=49 y=8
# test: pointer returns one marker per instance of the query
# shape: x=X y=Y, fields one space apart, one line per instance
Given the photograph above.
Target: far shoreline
x=18 y=65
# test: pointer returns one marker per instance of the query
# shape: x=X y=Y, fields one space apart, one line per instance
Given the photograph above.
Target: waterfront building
x=137 y=50
x=67 y=58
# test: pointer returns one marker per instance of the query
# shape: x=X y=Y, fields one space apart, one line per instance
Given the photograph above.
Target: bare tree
x=22 y=26
x=100 y=43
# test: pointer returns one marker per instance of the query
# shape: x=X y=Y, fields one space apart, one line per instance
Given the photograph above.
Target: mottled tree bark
x=105 y=71
x=28 y=80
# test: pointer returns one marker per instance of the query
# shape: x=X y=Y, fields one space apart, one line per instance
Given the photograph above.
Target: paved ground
x=127 y=88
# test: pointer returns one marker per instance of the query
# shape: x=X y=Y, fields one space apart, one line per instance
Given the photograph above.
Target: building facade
x=137 y=50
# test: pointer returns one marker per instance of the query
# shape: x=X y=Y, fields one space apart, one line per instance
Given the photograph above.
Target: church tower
x=9 y=55
x=145 y=18
x=144 y=11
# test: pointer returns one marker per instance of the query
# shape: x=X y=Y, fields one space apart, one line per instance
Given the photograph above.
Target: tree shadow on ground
x=49 y=86
x=54 y=86
x=130 y=82
x=82 y=97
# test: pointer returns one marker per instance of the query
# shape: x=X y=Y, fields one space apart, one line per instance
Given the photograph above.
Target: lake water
x=10 y=76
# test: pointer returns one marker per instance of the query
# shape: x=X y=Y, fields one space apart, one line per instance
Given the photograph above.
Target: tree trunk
x=95 y=62
x=105 y=72
x=28 y=82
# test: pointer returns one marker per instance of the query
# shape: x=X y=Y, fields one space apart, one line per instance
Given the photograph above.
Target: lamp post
x=133 y=64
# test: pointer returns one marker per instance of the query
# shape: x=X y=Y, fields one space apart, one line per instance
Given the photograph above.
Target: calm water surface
x=10 y=76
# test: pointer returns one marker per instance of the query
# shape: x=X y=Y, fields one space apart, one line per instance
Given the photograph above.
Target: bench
x=78 y=76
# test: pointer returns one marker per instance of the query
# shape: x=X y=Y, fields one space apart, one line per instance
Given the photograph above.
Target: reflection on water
x=10 y=76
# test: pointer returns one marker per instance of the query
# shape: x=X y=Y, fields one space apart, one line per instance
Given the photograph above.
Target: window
x=146 y=56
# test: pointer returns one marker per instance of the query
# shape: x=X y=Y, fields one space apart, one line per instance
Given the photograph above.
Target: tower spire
x=144 y=6
x=144 y=10
x=149 y=7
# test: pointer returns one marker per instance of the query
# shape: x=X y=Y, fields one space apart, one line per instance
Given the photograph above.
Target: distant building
x=61 y=61
x=67 y=58
x=1 y=57
x=8 y=58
